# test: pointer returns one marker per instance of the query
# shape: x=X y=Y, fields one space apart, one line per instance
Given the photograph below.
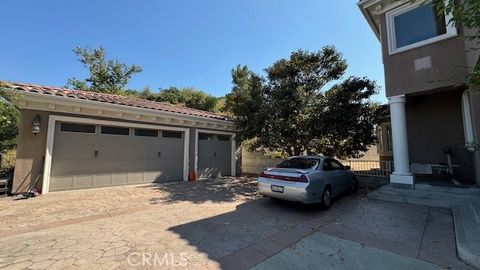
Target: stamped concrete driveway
x=210 y=224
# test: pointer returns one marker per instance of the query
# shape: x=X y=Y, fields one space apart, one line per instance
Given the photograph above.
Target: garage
x=73 y=139
x=215 y=154
x=97 y=155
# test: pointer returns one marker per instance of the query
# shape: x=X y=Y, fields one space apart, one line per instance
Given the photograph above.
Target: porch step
x=462 y=190
x=435 y=197
x=467 y=231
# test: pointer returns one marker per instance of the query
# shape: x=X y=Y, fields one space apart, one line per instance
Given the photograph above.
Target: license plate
x=277 y=188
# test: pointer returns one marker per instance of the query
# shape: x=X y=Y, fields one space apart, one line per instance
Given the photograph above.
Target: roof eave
x=28 y=98
x=364 y=8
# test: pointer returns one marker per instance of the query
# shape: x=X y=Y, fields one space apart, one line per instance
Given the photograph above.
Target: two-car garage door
x=89 y=155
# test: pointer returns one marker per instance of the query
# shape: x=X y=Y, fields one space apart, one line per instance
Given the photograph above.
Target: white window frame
x=80 y=120
x=72 y=132
x=392 y=42
x=233 y=160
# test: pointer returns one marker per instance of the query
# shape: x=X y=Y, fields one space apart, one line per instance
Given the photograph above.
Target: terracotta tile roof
x=109 y=98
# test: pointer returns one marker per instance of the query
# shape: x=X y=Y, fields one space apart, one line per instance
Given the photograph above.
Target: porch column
x=401 y=174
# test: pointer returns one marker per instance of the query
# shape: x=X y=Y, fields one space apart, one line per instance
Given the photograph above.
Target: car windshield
x=299 y=163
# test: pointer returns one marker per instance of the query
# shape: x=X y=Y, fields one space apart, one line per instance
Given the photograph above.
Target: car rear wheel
x=326 y=198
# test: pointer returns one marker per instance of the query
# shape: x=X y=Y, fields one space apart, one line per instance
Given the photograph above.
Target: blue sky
x=179 y=42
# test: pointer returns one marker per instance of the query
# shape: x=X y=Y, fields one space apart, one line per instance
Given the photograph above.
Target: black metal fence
x=370 y=167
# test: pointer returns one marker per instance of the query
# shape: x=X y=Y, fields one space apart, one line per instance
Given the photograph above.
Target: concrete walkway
x=418 y=232
x=463 y=201
x=321 y=251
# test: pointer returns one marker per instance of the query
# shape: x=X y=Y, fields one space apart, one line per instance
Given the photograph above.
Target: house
x=83 y=139
x=435 y=113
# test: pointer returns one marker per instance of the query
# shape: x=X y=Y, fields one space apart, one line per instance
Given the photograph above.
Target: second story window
x=412 y=26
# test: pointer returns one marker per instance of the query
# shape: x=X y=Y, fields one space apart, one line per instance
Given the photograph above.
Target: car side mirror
x=348 y=168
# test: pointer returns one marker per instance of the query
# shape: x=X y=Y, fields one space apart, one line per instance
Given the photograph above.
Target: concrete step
x=408 y=199
x=434 y=198
x=467 y=233
x=469 y=191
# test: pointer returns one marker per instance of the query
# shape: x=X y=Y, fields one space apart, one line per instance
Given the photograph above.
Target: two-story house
x=434 y=111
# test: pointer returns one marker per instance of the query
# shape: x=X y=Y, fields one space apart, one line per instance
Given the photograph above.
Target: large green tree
x=189 y=97
x=105 y=75
x=346 y=118
x=9 y=119
x=289 y=110
x=245 y=102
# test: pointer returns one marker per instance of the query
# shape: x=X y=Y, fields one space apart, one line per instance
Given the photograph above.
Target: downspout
x=474 y=101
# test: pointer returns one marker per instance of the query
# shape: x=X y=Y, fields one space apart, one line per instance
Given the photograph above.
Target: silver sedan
x=307 y=179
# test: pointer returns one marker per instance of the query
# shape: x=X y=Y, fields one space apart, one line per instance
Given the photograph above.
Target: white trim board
x=79 y=106
x=233 y=160
x=51 y=134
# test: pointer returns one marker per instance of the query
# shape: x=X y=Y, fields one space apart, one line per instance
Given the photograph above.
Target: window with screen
x=146 y=132
x=171 y=134
x=205 y=136
x=78 y=128
x=107 y=130
x=224 y=138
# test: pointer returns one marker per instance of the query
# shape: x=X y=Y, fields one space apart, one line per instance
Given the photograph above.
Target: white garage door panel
x=121 y=166
x=63 y=167
x=61 y=183
x=82 y=152
x=118 y=160
x=121 y=153
x=105 y=152
x=103 y=180
x=83 y=181
x=214 y=157
x=119 y=179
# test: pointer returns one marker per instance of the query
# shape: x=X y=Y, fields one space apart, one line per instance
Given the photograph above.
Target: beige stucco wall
x=449 y=65
x=30 y=151
x=255 y=163
x=433 y=122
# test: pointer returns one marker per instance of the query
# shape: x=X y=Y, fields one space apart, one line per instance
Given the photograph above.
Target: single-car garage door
x=88 y=155
x=214 y=155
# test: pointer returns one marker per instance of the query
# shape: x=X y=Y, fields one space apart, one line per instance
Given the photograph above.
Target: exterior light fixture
x=472 y=147
x=36 y=124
